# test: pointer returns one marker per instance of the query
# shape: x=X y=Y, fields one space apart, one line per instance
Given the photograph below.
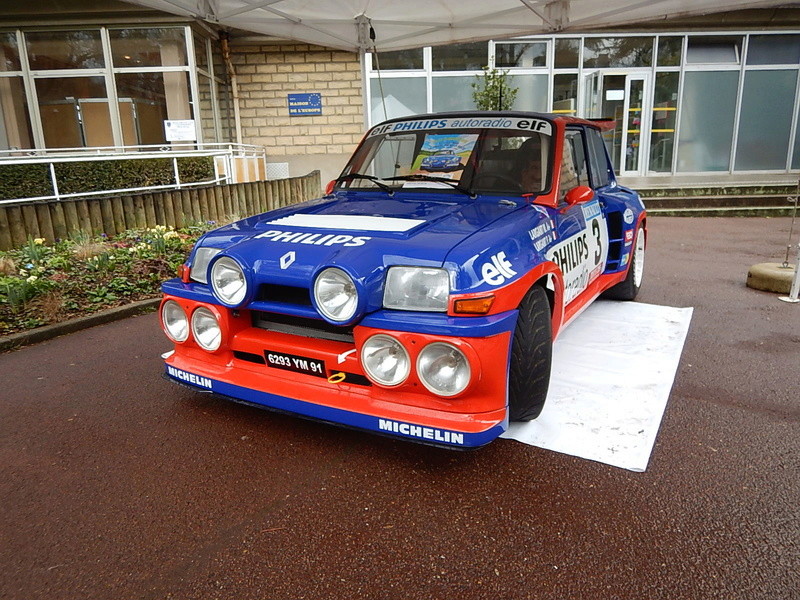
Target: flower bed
x=41 y=284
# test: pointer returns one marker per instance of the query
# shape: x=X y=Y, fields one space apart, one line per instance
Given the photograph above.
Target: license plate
x=292 y=362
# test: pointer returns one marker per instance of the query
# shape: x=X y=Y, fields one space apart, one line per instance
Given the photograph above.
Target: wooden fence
x=111 y=215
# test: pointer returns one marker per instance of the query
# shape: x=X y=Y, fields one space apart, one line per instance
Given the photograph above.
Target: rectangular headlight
x=416 y=288
x=202 y=257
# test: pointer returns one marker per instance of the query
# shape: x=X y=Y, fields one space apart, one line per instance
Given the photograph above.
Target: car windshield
x=511 y=160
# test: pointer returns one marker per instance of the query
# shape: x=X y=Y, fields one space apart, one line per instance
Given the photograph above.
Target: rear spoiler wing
x=603 y=124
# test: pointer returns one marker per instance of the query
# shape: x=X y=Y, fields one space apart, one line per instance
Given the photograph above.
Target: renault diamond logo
x=287 y=259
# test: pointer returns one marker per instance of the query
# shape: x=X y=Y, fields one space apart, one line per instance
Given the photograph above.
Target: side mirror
x=579 y=194
x=329 y=187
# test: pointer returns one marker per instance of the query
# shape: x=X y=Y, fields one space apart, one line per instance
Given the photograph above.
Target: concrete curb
x=41 y=334
x=770 y=277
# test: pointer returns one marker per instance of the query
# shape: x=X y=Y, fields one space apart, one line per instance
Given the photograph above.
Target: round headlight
x=228 y=282
x=385 y=360
x=443 y=369
x=205 y=329
x=336 y=295
x=176 y=324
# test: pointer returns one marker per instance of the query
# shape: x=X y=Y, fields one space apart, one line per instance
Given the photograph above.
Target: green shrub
x=25 y=181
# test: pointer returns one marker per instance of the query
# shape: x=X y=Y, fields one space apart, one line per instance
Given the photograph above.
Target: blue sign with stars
x=304 y=105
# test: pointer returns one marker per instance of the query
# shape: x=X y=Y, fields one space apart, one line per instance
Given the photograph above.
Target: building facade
x=719 y=105
x=705 y=100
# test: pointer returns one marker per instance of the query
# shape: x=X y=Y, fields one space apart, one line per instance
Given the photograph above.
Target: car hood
x=362 y=233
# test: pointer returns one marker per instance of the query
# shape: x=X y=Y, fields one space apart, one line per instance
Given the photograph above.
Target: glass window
x=531 y=92
x=796 y=151
x=565 y=94
x=567 y=51
x=575 y=140
x=773 y=50
x=669 y=51
x=225 y=101
x=453 y=93
x=618 y=52
x=708 y=107
x=402 y=97
x=157 y=47
x=9 y=52
x=765 y=120
x=533 y=54
x=64 y=50
x=597 y=158
x=665 y=112
x=401 y=59
x=15 y=121
x=460 y=57
x=200 y=53
x=147 y=100
x=713 y=50
x=74 y=112
x=207 y=121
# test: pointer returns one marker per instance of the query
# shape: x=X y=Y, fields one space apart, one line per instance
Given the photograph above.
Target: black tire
x=628 y=288
x=531 y=354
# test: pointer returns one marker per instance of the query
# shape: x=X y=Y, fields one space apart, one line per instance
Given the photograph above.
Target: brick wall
x=267 y=73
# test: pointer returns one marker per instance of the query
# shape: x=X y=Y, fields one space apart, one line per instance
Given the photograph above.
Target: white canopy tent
x=345 y=24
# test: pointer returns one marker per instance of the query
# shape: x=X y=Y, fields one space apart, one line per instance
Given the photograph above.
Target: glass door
x=623 y=98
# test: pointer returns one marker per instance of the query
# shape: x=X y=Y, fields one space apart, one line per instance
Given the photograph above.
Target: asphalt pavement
x=116 y=484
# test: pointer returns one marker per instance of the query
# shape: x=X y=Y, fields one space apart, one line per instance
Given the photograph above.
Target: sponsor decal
x=498 y=270
x=538 y=125
x=189 y=377
x=628 y=216
x=629 y=235
x=572 y=256
x=287 y=259
x=421 y=432
x=317 y=239
x=542 y=235
x=591 y=210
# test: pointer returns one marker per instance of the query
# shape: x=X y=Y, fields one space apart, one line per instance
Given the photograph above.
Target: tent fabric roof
x=399 y=25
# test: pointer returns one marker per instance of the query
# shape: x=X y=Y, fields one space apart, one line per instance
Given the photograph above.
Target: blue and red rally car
x=410 y=304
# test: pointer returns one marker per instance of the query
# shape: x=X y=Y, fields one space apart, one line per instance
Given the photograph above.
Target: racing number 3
x=598 y=253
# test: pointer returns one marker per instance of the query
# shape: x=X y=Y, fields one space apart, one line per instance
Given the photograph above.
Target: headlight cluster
x=202 y=257
x=228 y=281
x=416 y=288
x=203 y=325
x=442 y=368
x=335 y=295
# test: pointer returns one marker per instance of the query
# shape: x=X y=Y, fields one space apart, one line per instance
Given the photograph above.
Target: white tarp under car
x=344 y=24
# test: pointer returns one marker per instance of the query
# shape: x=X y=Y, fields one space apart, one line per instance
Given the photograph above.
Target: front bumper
x=344 y=395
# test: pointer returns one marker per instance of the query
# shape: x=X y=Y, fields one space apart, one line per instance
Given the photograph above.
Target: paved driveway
x=116 y=484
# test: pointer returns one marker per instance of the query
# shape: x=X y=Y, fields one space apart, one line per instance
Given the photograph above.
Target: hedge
x=26 y=181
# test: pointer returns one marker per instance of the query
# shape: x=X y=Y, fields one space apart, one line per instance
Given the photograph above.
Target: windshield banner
x=519 y=123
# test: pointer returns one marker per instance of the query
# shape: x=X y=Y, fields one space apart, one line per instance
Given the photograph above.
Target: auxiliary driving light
x=206 y=330
x=175 y=322
x=443 y=369
x=385 y=360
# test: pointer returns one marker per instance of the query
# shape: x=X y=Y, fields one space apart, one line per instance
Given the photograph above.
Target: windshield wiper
x=376 y=180
x=456 y=185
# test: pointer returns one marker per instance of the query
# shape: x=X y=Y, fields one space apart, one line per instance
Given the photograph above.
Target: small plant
x=492 y=90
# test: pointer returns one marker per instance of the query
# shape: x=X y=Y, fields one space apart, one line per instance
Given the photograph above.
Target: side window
x=597 y=158
x=574 y=171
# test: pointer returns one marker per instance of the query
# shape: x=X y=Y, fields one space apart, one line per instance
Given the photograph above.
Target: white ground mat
x=613 y=369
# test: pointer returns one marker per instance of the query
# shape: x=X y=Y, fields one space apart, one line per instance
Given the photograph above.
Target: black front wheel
x=531 y=354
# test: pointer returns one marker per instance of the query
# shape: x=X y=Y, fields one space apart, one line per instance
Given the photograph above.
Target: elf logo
x=498 y=270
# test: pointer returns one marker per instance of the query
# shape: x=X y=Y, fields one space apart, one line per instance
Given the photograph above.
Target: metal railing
x=224 y=159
